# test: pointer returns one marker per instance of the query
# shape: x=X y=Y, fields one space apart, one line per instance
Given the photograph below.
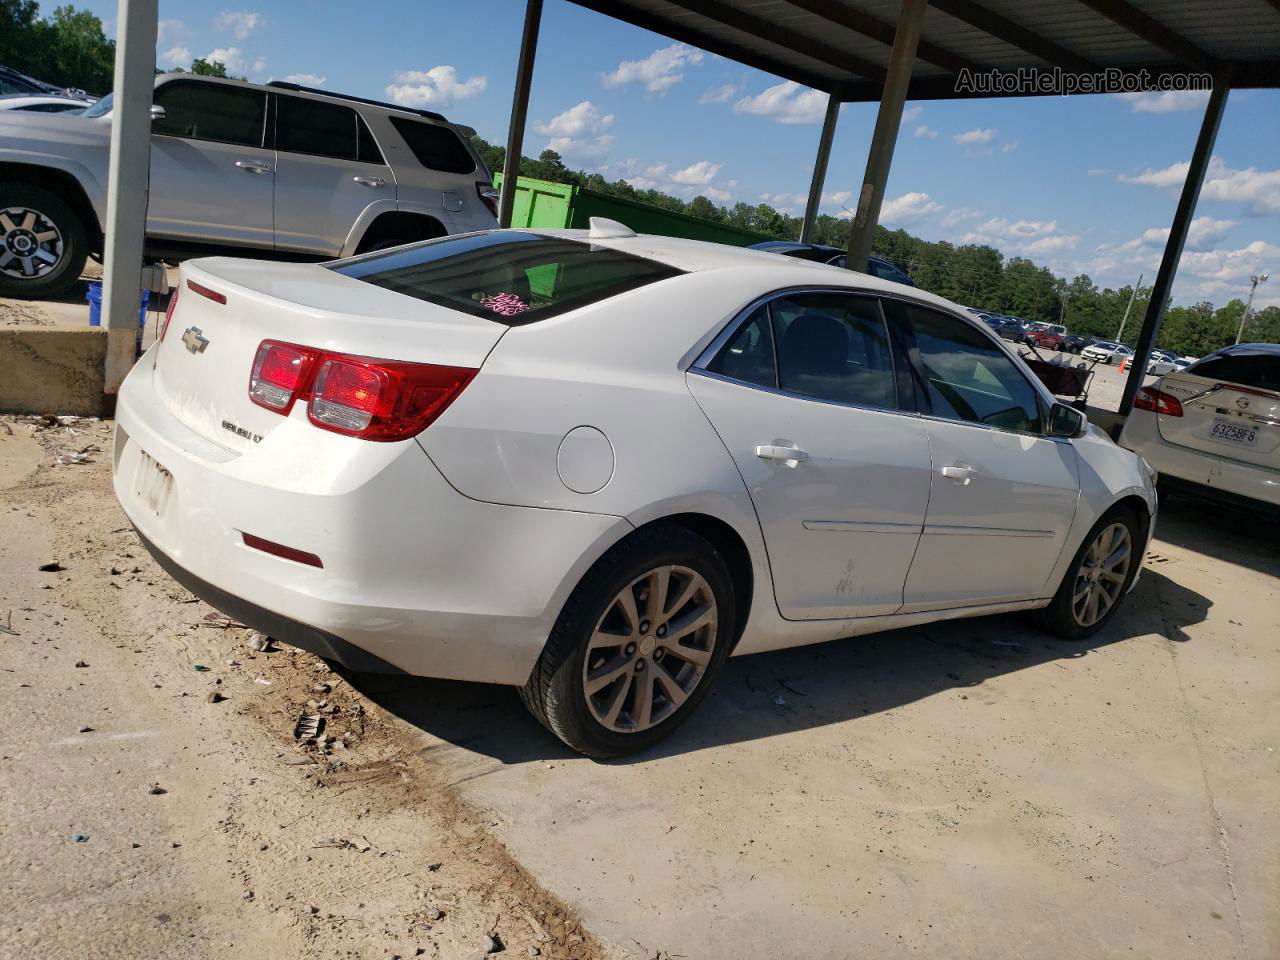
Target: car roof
x=281 y=86
x=698 y=255
x=1248 y=350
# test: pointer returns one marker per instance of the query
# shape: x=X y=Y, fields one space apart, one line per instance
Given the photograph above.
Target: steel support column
x=820 y=167
x=127 y=176
x=519 y=110
x=880 y=157
x=1163 y=286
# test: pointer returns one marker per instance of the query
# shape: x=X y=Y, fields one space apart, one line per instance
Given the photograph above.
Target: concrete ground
x=966 y=789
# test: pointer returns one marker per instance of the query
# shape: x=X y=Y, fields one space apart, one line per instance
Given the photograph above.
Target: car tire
x=28 y=215
x=1068 y=615
x=646 y=700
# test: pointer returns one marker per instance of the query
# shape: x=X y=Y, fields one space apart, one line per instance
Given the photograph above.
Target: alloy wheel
x=1102 y=574
x=31 y=244
x=650 y=649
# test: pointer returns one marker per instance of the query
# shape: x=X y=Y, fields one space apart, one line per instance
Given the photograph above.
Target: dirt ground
x=965 y=789
x=142 y=820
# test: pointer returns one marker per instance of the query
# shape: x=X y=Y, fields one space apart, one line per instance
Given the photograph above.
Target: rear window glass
x=435 y=146
x=504 y=275
x=1259 y=370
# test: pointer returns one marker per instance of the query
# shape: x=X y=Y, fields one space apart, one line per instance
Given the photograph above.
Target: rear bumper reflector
x=280 y=550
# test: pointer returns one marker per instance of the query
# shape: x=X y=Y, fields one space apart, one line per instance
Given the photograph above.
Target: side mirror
x=157 y=112
x=1067 y=422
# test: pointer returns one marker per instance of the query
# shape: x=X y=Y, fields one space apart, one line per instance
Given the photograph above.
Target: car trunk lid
x=227 y=307
x=1224 y=419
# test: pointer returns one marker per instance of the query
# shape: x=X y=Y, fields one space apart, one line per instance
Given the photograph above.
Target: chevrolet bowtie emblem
x=193 y=341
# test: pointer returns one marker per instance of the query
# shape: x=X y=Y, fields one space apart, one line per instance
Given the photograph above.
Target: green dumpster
x=542 y=203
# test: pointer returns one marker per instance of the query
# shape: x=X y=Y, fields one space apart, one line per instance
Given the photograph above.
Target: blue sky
x=1082 y=184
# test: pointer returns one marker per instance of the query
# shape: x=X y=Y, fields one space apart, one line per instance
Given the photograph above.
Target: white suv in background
x=277 y=170
x=1215 y=425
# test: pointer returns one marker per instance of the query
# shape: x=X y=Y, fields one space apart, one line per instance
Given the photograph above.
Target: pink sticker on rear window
x=506 y=304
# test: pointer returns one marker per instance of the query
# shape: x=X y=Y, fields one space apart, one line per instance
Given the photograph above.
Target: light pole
x=1248 y=307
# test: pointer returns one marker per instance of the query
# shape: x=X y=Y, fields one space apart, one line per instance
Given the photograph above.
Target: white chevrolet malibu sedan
x=594 y=465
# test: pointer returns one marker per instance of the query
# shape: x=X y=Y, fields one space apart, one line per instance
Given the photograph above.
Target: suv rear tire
x=43 y=244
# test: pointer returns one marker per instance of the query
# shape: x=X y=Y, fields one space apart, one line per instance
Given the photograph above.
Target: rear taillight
x=357 y=396
x=168 y=314
x=488 y=195
x=280 y=371
x=1157 y=401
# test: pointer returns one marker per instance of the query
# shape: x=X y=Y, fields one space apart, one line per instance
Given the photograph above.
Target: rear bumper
x=417 y=578
x=1141 y=434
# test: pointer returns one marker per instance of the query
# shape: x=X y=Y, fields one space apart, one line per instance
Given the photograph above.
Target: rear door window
x=323 y=130
x=833 y=346
x=1258 y=370
x=211 y=111
x=748 y=356
x=436 y=147
x=507 y=276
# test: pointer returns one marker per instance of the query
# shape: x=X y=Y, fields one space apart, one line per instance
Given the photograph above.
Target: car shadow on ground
x=791 y=690
x=1242 y=535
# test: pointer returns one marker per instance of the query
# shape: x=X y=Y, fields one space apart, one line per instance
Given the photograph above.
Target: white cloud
x=718 y=94
x=1257 y=191
x=911 y=113
x=697 y=174
x=908 y=208
x=176 y=57
x=719 y=196
x=259 y=65
x=1168 y=102
x=306 y=79
x=437 y=87
x=1011 y=146
x=926 y=133
x=1203 y=232
x=229 y=57
x=659 y=71
x=241 y=23
x=579 y=131
x=1026 y=237
x=172 y=33
x=789 y=202
x=959 y=215
x=975 y=136
x=786 y=102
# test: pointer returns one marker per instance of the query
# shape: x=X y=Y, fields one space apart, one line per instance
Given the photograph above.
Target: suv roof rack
x=286 y=85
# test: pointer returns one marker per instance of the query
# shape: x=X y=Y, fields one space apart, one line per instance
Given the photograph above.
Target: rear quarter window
x=436 y=147
x=507 y=276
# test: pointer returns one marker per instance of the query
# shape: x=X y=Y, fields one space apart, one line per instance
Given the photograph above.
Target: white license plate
x=1239 y=434
x=153 y=484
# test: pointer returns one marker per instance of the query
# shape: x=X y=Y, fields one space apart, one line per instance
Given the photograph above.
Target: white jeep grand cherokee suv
x=274 y=169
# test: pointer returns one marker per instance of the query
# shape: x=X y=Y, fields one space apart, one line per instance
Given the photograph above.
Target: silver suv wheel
x=31 y=244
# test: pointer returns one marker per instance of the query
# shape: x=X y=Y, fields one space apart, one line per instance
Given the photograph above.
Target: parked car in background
x=42 y=103
x=1106 y=351
x=1214 y=427
x=820 y=253
x=593 y=465
x=1007 y=328
x=277 y=170
x=1046 y=336
x=1159 y=366
x=1073 y=344
x=12 y=82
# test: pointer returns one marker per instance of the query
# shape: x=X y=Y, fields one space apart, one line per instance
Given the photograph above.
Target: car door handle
x=370 y=181
x=254 y=166
x=780 y=451
x=960 y=471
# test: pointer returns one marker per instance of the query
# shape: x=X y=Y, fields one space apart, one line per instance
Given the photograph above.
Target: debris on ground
x=79 y=838
x=260 y=642
x=52 y=566
x=156 y=790
x=7 y=626
x=308 y=726
x=342 y=843
x=199 y=668
x=83 y=455
x=221 y=621
x=215 y=697
x=81 y=663
x=86 y=729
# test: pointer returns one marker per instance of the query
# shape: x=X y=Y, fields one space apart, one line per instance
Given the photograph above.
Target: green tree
x=703 y=208
x=211 y=68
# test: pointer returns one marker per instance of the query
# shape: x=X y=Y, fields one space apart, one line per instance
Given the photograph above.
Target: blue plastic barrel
x=94 y=296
